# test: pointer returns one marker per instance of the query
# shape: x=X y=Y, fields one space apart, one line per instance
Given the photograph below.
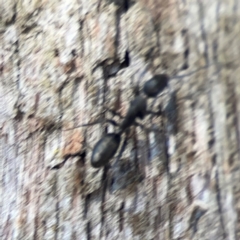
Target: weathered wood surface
x=61 y=65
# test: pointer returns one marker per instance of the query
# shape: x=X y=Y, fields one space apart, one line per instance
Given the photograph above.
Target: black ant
x=108 y=145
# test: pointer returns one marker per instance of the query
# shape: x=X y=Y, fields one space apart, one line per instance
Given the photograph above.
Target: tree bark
x=67 y=63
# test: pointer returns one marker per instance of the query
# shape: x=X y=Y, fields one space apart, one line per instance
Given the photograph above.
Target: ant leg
x=124 y=144
x=144 y=128
x=114 y=112
x=100 y=120
x=117 y=177
x=193 y=72
x=159 y=112
x=153 y=103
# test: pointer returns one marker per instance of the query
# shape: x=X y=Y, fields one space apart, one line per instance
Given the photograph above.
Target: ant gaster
x=105 y=149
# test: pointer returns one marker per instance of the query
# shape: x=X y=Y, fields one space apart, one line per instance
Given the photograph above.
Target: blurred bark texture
x=66 y=63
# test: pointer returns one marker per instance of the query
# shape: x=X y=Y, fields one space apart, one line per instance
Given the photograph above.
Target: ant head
x=155 y=85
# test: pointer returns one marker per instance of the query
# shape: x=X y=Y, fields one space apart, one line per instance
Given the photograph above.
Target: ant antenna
x=93 y=123
x=193 y=72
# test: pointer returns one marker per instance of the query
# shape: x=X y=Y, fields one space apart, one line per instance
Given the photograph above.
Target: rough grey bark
x=64 y=64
